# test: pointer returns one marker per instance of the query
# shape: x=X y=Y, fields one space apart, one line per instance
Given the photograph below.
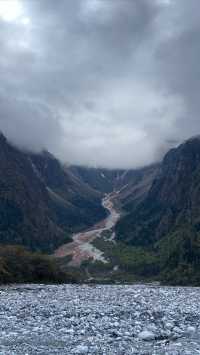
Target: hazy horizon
x=110 y=83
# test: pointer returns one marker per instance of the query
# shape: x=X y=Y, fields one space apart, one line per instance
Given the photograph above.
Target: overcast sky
x=110 y=83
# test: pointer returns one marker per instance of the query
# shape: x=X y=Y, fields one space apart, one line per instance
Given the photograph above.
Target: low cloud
x=100 y=82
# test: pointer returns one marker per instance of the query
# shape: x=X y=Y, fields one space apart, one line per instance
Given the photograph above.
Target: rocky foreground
x=101 y=320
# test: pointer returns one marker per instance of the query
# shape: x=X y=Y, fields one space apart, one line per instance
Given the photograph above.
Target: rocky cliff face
x=135 y=185
x=173 y=200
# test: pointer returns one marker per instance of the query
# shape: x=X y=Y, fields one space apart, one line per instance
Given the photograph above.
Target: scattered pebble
x=99 y=320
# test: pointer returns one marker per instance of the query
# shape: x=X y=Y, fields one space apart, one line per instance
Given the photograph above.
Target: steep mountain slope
x=103 y=180
x=135 y=185
x=172 y=200
x=43 y=202
x=25 y=217
x=75 y=203
x=40 y=203
x=131 y=186
x=167 y=221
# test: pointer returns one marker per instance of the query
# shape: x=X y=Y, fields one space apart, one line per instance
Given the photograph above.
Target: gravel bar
x=101 y=320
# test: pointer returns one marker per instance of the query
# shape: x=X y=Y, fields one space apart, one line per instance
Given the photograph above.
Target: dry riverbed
x=81 y=248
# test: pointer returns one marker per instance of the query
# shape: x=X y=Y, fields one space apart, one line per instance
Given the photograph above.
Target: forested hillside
x=41 y=204
x=167 y=221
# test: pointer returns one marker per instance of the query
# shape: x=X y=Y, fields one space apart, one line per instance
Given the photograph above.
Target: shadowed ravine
x=81 y=248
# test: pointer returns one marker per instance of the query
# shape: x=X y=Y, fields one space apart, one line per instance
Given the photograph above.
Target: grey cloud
x=101 y=82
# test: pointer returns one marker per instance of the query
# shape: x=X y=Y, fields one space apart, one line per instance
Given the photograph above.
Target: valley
x=81 y=248
x=102 y=225
x=99 y=177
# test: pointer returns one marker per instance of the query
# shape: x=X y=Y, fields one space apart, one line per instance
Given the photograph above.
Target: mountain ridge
x=43 y=202
x=171 y=188
x=28 y=213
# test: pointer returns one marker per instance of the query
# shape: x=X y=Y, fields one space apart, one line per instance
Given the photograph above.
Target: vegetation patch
x=18 y=265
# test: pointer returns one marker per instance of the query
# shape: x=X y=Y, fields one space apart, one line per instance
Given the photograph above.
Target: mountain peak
x=193 y=138
x=2 y=138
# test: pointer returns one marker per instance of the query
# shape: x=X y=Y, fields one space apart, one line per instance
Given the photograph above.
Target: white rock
x=116 y=324
x=191 y=330
x=177 y=330
x=169 y=325
x=146 y=335
x=69 y=331
x=81 y=349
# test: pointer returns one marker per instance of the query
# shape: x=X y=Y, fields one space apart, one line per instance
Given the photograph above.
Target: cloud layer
x=110 y=83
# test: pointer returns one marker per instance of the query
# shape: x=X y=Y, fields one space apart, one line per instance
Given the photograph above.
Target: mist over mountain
x=99 y=100
x=100 y=177
x=100 y=83
x=45 y=205
x=41 y=202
